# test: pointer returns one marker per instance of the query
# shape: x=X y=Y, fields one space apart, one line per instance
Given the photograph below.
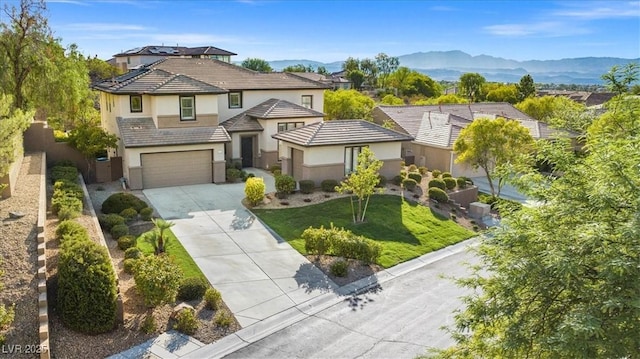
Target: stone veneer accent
x=43 y=305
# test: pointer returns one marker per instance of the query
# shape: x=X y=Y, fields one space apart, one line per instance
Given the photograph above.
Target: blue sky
x=334 y=30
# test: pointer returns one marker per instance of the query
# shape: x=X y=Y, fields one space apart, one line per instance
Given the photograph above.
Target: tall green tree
x=357 y=78
x=91 y=141
x=618 y=79
x=370 y=70
x=298 y=68
x=503 y=93
x=490 y=144
x=100 y=70
x=347 y=104
x=12 y=126
x=526 y=88
x=362 y=183
x=562 y=280
x=256 y=64
x=386 y=65
x=351 y=64
x=24 y=39
x=471 y=86
x=560 y=112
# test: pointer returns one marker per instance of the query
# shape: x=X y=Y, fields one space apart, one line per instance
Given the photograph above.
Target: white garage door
x=176 y=168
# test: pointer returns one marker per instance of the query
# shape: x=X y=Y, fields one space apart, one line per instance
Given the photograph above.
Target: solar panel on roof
x=134 y=50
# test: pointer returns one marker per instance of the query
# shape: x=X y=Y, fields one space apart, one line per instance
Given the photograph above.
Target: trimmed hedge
x=126 y=242
x=437 y=183
x=68 y=173
x=108 y=221
x=254 y=190
x=146 y=213
x=423 y=170
x=120 y=201
x=119 y=230
x=68 y=202
x=306 y=186
x=415 y=176
x=132 y=253
x=71 y=228
x=340 y=242
x=450 y=182
x=446 y=174
x=129 y=214
x=436 y=173
x=285 y=184
x=461 y=182
x=192 y=288
x=87 y=289
x=438 y=194
x=409 y=183
x=329 y=185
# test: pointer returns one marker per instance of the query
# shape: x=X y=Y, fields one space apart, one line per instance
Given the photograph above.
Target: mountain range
x=449 y=65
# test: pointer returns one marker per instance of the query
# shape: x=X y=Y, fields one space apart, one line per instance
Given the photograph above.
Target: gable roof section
x=153 y=50
x=242 y=123
x=158 y=82
x=142 y=132
x=275 y=108
x=340 y=132
x=218 y=75
x=439 y=129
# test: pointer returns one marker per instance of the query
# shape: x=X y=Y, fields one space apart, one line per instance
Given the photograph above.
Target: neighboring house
x=329 y=150
x=435 y=129
x=168 y=117
x=334 y=80
x=134 y=58
x=583 y=97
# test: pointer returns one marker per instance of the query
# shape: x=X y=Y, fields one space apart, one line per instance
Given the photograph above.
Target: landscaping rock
x=180 y=307
x=16 y=215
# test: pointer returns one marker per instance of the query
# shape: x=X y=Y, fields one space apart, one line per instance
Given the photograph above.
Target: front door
x=246 y=144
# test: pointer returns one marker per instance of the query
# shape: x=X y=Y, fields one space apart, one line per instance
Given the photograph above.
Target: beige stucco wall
x=432 y=157
x=256 y=97
x=173 y=121
x=268 y=143
x=321 y=155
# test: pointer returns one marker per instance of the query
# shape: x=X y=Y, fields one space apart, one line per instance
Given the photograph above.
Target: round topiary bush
x=132 y=253
x=186 y=321
x=233 y=174
x=254 y=190
x=129 y=214
x=449 y=182
x=157 y=279
x=436 y=173
x=87 y=289
x=70 y=228
x=192 y=288
x=119 y=230
x=438 y=195
x=129 y=265
x=329 y=185
x=108 y=221
x=120 y=201
x=437 y=183
x=397 y=180
x=415 y=176
x=409 y=183
x=446 y=174
x=461 y=182
x=127 y=241
x=413 y=168
x=422 y=170
x=213 y=298
x=285 y=184
x=382 y=181
x=306 y=186
x=146 y=213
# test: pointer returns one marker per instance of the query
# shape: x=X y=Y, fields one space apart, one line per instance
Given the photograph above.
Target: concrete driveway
x=257 y=273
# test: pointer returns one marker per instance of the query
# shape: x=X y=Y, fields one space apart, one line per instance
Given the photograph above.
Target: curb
x=251 y=334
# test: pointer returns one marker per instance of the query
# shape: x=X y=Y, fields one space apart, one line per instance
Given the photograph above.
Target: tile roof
x=270 y=109
x=219 y=75
x=174 y=51
x=340 y=132
x=142 y=81
x=142 y=132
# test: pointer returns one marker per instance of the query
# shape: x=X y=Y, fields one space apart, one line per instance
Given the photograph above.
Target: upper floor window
x=235 y=99
x=187 y=108
x=135 y=103
x=307 y=101
x=285 y=126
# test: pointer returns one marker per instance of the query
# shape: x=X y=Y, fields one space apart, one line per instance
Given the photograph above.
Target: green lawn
x=176 y=251
x=405 y=229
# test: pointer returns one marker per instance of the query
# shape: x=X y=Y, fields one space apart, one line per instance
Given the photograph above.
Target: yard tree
x=347 y=104
x=256 y=64
x=91 y=141
x=159 y=234
x=362 y=183
x=526 y=88
x=399 y=79
x=562 y=280
x=357 y=78
x=491 y=144
x=351 y=64
x=560 y=112
x=503 y=93
x=386 y=65
x=370 y=70
x=471 y=86
x=100 y=70
x=298 y=68
x=422 y=85
x=618 y=79
x=392 y=100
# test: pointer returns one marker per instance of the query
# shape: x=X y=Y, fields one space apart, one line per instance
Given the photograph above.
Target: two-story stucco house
x=140 y=56
x=170 y=117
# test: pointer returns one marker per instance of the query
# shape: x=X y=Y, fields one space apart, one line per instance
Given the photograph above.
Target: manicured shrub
x=129 y=214
x=108 y=221
x=186 y=321
x=213 y=298
x=68 y=173
x=467 y=179
x=461 y=182
x=132 y=253
x=146 y=213
x=422 y=170
x=66 y=213
x=67 y=188
x=192 y=288
x=437 y=183
x=127 y=241
x=306 y=186
x=329 y=185
x=403 y=174
x=78 y=236
x=119 y=230
x=415 y=176
x=413 y=168
x=436 y=173
x=339 y=268
x=129 y=265
x=397 y=180
x=157 y=279
x=285 y=184
x=65 y=163
x=254 y=190
x=233 y=174
x=438 y=195
x=70 y=228
x=317 y=240
x=122 y=200
x=246 y=176
x=87 y=289
x=276 y=173
x=223 y=319
x=450 y=182
x=382 y=181
x=350 y=245
x=409 y=183
x=446 y=174
x=275 y=167
x=69 y=202
x=149 y=324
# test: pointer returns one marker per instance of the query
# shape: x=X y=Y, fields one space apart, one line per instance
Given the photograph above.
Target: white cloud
x=589 y=10
x=541 y=29
x=193 y=39
x=89 y=26
x=73 y=2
